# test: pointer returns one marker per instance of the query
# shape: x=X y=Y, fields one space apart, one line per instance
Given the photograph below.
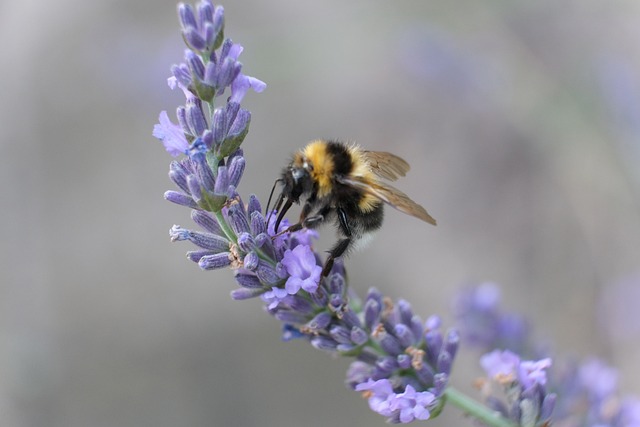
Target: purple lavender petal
x=302 y=268
x=171 y=135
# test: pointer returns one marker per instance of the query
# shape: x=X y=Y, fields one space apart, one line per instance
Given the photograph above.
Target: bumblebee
x=341 y=183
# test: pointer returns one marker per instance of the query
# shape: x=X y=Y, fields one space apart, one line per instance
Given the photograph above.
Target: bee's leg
x=342 y=246
x=307 y=221
x=336 y=252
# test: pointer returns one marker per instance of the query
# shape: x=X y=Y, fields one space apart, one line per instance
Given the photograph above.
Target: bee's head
x=296 y=180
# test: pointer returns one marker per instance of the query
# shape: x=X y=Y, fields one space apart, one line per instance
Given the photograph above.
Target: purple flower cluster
x=527 y=402
x=584 y=394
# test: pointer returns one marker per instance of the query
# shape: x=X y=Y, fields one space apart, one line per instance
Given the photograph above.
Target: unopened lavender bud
x=203 y=170
x=248 y=281
x=258 y=224
x=178 y=176
x=319 y=297
x=236 y=169
x=432 y=323
x=358 y=335
x=222 y=181
x=451 y=343
x=425 y=374
x=251 y=261
x=371 y=314
x=390 y=345
x=182 y=74
x=264 y=243
x=245 y=293
x=207 y=221
x=336 y=284
x=213 y=262
x=320 y=321
x=345 y=348
x=289 y=316
x=218 y=20
x=194 y=39
x=387 y=364
x=404 y=335
x=195 y=117
x=350 y=318
x=440 y=381
x=246 y=242
x=219 y=126
x=375 y=295
x=417 y=327
x=368 y=356
x=209 y=241
x=228 y=70
x=196 y=256
x=434 y=345
x=195 y=64
x=341 y=334
x=267 y=274
x=238 y=219
x=195 y=189
x=240 y=123
x=301 y=305
x=205 y=13
x=404 y=309
x=404 y=361
x=254 y=206
x=443 y=365
x=181 y=114
x=181 y=199
x=236 y=133
x=324 y=343
x=209 y=35
x=231 y=112
x=281 y=271
x=187 y=16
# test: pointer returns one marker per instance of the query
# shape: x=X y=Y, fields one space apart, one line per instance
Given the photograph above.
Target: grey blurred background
x=521 y=121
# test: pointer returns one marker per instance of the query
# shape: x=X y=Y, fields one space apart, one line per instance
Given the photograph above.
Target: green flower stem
x=475 y=409
x=225 y=227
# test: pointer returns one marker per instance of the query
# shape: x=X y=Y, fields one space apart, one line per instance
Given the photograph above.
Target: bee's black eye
x=297 y=173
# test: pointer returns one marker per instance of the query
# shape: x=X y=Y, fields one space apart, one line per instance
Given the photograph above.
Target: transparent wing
x=391 y=196
x=386 y=165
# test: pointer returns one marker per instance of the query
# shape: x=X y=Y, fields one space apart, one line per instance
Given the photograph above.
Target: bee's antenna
x=270 y=196
x=282 y=212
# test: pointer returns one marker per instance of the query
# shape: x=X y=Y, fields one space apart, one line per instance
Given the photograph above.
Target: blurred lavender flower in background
x=484 y=325
x=523 y=383
x=581 y=394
